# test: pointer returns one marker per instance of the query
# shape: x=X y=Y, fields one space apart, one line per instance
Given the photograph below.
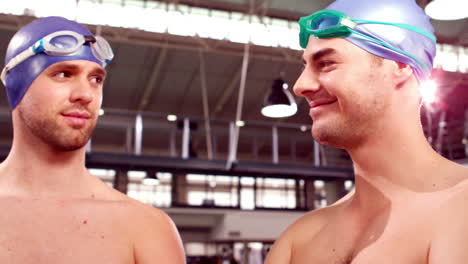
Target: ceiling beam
x=228 y=92
x=137 y=37
x=155 y=74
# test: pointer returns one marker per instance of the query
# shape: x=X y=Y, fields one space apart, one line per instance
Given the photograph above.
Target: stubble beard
x=343 y=132
x=53 y=131
x=360 y=121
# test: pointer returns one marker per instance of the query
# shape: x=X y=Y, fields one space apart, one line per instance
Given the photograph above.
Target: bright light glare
x=319 y=184
x=64 y=8
x=181 y=21
x=240 y=123
x=116 y=13
x=150 y=181
x=171 y=118
x=463 y=59
x=184 y=20
x=136 y=174
x=256 y=245
x=101 y=112
x=428 y=90
x=447 y=9
x=279 y=110
x=89 y=13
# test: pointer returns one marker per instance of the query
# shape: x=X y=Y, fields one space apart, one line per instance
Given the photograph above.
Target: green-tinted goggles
x=334 y=24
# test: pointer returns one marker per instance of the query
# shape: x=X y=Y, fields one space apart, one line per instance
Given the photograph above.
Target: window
x=155 y=192
x=212 y=190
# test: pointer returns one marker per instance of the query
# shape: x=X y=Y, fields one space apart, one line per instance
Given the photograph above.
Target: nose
x=82 y=91
x=306 y=83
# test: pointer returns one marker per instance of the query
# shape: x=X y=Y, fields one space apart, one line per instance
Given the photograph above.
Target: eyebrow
x=320 y=54
x=65 y=66
x=74 y=67
x=100 y=71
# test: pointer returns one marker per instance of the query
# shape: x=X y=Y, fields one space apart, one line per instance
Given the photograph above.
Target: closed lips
x=317 y=103
x=83 y=115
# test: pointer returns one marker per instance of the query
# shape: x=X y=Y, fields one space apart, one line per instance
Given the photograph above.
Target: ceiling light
x=447 y=9
x=101 y=112
x=171 y=118
x=240 y=123
x=279 y=103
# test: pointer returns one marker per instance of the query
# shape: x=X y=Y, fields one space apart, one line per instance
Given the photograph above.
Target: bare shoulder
x=154 y=235
x=450 y=228
x=456 y=195
x=301 y=231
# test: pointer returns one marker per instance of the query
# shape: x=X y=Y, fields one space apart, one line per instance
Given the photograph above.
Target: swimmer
x=363 y=63
x=54 y=210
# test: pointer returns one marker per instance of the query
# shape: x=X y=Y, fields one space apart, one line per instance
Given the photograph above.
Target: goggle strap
x=24 y=55
x=404 y=26
x=348 y=22
x=392 y=48
x=90 y=39
x=3 y=76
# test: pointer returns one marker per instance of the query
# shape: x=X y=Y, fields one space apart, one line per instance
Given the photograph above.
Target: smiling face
x=347 y=90
x=61 y=106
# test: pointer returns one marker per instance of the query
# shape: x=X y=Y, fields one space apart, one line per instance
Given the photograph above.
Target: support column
x=121 y=181
x=179 y=189
x=335 y=190
x=309 y=193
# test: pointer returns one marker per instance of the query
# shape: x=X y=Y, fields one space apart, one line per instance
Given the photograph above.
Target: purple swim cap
x=392 y=11
x=19 y=78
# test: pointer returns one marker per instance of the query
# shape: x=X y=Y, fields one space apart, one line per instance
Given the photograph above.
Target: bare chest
x=39 y=232
x=401 y=241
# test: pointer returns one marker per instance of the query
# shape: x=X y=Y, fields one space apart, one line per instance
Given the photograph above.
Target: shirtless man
x=409 y=204
x=54 y=211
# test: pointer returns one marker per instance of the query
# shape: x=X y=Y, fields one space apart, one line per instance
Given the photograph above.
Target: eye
x=325 y=63
x=62 y=74
x=97 y=79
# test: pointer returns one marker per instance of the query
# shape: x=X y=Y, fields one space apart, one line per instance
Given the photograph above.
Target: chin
x=328 y=140
x=334 y=136
x=67 y=139
x=69 y=144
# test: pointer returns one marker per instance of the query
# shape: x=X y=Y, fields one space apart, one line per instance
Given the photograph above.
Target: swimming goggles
x=334 y=24
x=63 y=43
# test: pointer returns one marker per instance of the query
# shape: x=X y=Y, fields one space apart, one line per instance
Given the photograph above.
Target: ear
x=401 y=73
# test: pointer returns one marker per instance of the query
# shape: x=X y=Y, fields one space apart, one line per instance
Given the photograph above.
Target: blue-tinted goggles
x=334 y=24
x=63 y=43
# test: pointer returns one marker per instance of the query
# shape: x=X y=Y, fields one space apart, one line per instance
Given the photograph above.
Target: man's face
x=61 y=105
x=346 y=90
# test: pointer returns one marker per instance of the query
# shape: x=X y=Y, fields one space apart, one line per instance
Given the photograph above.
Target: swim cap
x=392 y=11
x=19 y=78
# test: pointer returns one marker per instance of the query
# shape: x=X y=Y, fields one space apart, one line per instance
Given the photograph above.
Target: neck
x=395 y=163
x=34 y=168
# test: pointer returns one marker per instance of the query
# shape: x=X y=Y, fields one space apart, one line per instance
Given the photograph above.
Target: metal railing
x=148 y=133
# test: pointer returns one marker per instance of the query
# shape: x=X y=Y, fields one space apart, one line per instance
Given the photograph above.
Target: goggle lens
x=64 y=42
x=323 y=24
x=102 y=50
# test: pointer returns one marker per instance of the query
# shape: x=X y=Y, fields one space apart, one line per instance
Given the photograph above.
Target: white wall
x=253 y=225
x=234 y=224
